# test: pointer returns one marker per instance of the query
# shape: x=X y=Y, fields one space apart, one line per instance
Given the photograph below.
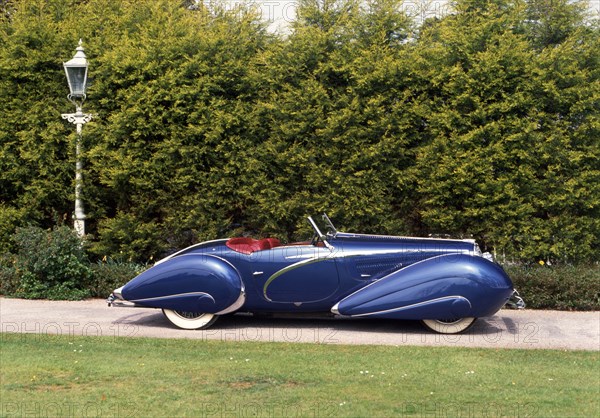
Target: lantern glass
x=77 y=78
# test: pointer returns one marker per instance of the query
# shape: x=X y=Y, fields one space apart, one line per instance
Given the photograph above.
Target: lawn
x=44 y=375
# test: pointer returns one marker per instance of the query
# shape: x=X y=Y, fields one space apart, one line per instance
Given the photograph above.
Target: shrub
x=110 y=274
x=8 y=278
x=48 y=264
x=565 y=287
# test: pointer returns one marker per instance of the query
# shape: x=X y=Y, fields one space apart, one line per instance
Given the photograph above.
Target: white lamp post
x=76 y=70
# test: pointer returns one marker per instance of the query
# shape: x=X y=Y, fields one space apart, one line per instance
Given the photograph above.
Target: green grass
x=43 y=375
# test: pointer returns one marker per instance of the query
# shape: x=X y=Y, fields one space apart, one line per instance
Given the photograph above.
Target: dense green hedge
x=483 y=123
x=109 y=274
x=569 y=288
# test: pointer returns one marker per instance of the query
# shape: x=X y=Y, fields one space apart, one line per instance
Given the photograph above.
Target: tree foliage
x=482 y=123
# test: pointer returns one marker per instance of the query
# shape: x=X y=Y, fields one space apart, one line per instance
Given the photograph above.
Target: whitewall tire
x=449 y=326
x=190 y=320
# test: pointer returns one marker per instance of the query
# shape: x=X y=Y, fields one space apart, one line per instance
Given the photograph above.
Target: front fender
x=189 y=282
x=446 y=286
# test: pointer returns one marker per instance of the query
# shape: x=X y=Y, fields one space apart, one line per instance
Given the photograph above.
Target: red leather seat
x=249 y=245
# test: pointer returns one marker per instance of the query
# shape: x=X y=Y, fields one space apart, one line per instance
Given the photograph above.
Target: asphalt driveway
x=532 y=329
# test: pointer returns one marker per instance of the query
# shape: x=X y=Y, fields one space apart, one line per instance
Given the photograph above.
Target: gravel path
x=531 y=329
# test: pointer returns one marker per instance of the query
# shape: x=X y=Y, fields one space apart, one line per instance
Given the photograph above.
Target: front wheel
x=190 y=320
x=449 y=326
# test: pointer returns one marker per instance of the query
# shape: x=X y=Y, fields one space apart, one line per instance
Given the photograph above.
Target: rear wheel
x=449 y=326
x=190 y=320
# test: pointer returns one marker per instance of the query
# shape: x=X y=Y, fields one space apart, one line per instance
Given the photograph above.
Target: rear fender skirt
x=452 y=285
x=189 y=282
x=445 y=307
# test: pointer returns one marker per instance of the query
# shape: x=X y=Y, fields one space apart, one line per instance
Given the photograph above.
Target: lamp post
x=76 y=70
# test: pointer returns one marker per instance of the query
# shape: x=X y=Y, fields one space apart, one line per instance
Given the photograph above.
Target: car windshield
x=323 y=227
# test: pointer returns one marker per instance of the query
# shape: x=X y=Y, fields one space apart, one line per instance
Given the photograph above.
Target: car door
x=298 y=274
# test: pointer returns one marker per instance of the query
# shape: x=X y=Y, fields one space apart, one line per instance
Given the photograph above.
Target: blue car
x=446 y=284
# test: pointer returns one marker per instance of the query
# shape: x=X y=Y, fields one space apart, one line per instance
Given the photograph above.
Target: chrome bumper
x=116 y=299
x=515 y=301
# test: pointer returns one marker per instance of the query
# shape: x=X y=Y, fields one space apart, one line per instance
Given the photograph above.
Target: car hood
x=349 y=241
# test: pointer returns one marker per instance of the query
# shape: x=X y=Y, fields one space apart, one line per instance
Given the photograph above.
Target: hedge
x=565 y=288
x=481 y=123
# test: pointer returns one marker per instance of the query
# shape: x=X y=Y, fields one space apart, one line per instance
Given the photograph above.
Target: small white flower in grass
x=247 y=359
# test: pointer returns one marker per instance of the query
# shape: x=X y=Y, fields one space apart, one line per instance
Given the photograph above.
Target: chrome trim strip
x=385 y=277
x=289 y=268
x=236 y=305
x=174 y=296
x=118 y=293
x=315 y=252
x=215 y=241
x=402 y=237
x=354 y=253
x=414 y=305
x=335 y=309
x=295 y=257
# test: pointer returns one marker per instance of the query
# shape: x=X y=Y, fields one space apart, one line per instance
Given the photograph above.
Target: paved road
x=507 y=329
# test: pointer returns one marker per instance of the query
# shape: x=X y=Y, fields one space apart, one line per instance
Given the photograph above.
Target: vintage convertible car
x=446 y=284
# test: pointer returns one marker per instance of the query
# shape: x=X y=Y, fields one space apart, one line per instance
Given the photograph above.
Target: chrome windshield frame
x=334 y=231
x=320 y=235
